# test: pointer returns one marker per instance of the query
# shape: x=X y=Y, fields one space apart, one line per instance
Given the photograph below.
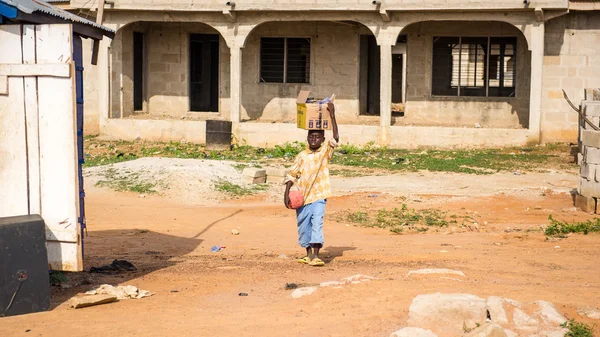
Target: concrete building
x=405 y=73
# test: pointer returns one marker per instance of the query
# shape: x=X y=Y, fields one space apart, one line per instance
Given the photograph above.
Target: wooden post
x=99 y=19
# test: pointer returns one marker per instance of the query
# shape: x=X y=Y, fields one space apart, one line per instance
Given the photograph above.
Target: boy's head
x=315 y=138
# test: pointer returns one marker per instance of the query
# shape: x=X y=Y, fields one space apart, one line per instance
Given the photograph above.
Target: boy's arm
x=290 y=180
x=331 y=109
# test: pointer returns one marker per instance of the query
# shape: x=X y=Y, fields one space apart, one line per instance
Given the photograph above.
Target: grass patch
x=399 y=219
x=237 y=190
x=578 y=329
x=561 y=228
x=476 y=161
x=125 y=182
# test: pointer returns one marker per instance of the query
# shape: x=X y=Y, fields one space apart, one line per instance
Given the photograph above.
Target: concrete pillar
x=537 y=67
x=385 y=102
x=103 y=83
x=235 y=83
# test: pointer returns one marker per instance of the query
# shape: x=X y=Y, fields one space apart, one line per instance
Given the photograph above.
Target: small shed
x=41 y=121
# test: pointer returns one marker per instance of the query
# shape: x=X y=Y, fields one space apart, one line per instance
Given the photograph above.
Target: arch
x=522 y=31
x=373 y=24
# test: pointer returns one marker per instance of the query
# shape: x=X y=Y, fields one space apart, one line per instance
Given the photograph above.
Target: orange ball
x=296 y=199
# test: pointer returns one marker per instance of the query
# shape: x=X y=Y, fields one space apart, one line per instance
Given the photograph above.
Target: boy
x=311 y=173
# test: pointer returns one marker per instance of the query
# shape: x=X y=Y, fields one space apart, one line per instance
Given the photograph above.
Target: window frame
x=285 y=65
x=487 y=96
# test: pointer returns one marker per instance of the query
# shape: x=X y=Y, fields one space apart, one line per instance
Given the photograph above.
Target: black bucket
x=218 y=135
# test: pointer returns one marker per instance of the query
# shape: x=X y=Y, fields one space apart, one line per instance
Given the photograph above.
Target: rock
x=282 y=256
x=235 y=232
x=355 y=279
x=513 y=302
x=254 y=172
x=523 y=321
x=549 y=313
x=413 y=332
x=430 y=271
x=300 y=292
x=446 y=313
x=510 y=333
x=495 y=306
x=553 y=333
x=487 y=330
x=477 y=125
x=90 y=300
x=589 y=312
x=336 y=284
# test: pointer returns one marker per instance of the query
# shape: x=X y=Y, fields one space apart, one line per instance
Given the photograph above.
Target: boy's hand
x=331 y=109
x=286 y=199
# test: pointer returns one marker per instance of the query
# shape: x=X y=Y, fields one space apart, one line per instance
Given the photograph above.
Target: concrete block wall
x=589 y=141
x=572 y=63
x=424 y=109
x=166 y=70
x=334 y=70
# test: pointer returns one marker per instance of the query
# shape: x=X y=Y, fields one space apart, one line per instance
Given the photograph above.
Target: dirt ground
x=197 y=292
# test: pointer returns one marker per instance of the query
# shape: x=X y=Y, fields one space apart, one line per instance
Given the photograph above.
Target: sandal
x=304 y=260
x=317 y=262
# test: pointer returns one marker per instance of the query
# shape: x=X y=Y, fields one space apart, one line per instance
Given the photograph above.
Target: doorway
x=204 y=72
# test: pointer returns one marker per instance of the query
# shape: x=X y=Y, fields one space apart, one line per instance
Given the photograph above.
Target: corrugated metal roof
x=52 y=1
x=32 y=6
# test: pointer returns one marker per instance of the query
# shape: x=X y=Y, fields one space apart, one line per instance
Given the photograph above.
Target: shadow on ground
x=148 y=251
x=330 y=253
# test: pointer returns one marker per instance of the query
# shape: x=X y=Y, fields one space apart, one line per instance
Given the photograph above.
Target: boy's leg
x=303 y=216
x=316 y=237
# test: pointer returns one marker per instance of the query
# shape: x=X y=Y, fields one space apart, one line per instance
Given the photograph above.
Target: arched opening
x=466 y=73
x=169 y=70
x=326 y=57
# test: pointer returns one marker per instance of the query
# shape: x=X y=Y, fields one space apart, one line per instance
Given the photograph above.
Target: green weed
x=57 y=277
x=125 y=182
x=396 y=220
x=578 y=329
x=561 y=228
x=237 y=190
x=475 y=161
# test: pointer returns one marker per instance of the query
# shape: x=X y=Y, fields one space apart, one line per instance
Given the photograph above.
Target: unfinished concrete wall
x=589 y=159
x=166 y=71
x=218 y=5
x=424 y=109
x=572 y=63
x=334 y=70
x=91 y=123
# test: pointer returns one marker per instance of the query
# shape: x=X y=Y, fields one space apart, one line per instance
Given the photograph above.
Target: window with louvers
x=284 y=60
x=474 y=66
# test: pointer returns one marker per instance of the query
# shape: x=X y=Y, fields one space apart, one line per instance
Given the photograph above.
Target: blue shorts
x=310 y=223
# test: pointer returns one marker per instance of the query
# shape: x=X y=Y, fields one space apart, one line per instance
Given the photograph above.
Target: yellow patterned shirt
x=309 y=166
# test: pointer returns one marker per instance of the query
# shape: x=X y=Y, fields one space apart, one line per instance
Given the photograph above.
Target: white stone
x=331 y=284
x=413 y=332
x=549 y=313
x=235 y=232
x=589 y=312
x=305 y=291
x=254 y=172
x=523 y=321
x=358 y=278
x=446 y=313
x=495 y=306
x=277 y=172
x=430 y=271
x=553 y=333
x=487 y=330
